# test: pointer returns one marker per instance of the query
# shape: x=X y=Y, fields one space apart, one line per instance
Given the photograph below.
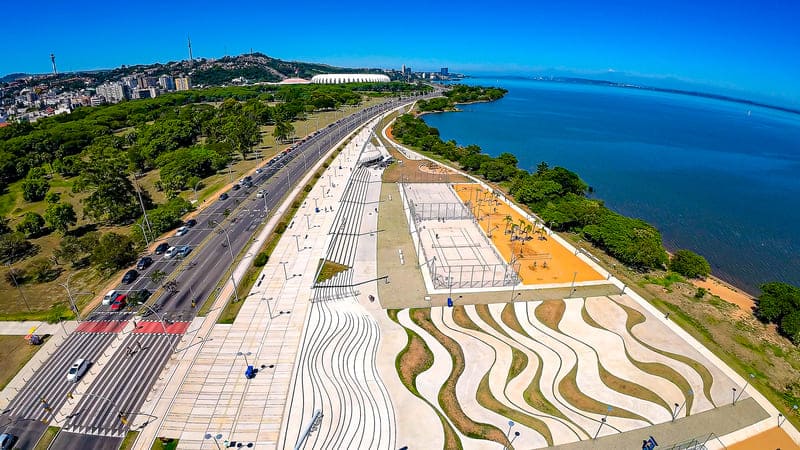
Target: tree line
x=461 y=94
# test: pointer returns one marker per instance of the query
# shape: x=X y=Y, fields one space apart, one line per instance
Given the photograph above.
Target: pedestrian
x=666 y=316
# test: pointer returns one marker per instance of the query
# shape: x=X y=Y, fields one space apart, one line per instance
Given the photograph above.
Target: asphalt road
x=126 y=380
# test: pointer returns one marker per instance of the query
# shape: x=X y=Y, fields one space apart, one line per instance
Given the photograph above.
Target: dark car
x=144 y=263
x=236 y=187
x=162 y=247
x=223 y=196
x=7 y=441
x=130 y=276
x=191 y=222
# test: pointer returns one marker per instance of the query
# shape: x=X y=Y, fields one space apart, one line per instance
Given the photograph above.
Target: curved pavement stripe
x=610 y=351
x=611 y=316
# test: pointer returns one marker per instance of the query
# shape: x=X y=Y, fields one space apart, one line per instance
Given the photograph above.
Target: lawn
x=15 y=352
x=47 y=438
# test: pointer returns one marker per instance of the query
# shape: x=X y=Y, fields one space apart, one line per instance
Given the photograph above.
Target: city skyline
x=733 y=48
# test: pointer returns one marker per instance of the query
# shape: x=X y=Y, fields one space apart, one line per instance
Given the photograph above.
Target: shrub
x=701 y=292
x=261 y=260
x=41 y=270
x=689 y=264
x=32 y=225
x=15 y=276
x=280 y=228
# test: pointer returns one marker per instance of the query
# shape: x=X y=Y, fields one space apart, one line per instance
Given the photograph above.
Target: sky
x=745 y=48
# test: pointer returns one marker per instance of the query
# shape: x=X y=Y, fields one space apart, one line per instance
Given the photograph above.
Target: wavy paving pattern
x=557 y=369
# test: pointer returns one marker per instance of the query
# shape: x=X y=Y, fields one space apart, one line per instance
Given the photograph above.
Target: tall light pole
x=71 y=299
x=284 y=263
x=747 y=383
x=195 y=190
x=160 y=318
x=14 y=279
x=144 y=233
x=230 y=252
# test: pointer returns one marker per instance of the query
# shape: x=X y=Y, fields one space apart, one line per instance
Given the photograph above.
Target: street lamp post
x=245 y=355
x=574 y=276
x=195 y=190
x=144 y=233
x=283 y=263
x=160 y=318
x=678 y=408
x=69 y=295
x=14 y=279
x=230 y=252
x=747 y=383
x=216 y=438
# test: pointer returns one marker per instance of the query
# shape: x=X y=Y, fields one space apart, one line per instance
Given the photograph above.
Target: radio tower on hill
x=190 y=49
x=53 y=60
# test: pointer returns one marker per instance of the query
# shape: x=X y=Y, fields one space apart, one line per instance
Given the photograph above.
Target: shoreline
x=712 y=284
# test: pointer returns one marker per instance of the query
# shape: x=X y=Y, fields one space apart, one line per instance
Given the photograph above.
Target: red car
x=119 y=302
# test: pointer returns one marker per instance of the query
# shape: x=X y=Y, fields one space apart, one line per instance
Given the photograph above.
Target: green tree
x=41 y=270
x=283 y=130
x=242 y=133
x=14 y=246
x=60 y=216
x=32 y=225
x=777 y=300
x=70 y=249
x=34 y=189
x=112 y=197
x=113 y=251
x=689 y=264
x=52 y=197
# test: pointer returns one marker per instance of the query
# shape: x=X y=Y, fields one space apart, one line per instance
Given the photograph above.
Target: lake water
x=719 y=178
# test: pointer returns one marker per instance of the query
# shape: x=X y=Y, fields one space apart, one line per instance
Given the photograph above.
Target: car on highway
x=259 y=170
x=130 y=276
x=236 y=187
x=260 y=193
x=144 y=262
x=162 y=247
x=109 y=297
x=191 y=223
x=183 y=251
x=170 y=252
x=181 y=231
x=223 y=196
x=7 y=441
x=77 y=370
x=120 y=302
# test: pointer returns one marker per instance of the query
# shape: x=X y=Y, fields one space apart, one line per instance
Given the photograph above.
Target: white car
x=181 y=231
x=170 y=252
x=260 y=193
x=109 y=297
x=77 y=370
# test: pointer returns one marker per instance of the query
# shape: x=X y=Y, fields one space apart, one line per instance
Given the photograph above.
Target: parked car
x=109 y=297
x=181 y=231
x=130 y=276
x=120 y=302
x=184 y=251
x=191 y=223
x=162 y=247
x=259 y=170
x=144 y=262
x=77 y=370
x=223 y=196
x=170 y=252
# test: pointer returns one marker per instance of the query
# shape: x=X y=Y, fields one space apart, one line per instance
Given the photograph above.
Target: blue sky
x=745 y=47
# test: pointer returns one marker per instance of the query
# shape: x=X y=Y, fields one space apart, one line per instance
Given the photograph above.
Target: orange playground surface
x=541 y=259
x=774 y=438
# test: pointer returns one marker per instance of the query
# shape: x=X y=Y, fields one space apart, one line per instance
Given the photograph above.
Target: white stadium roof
x=338 y=78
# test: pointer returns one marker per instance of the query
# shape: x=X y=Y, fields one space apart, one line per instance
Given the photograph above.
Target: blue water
x=710 y=176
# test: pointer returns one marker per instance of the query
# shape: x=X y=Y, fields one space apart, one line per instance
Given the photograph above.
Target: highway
x=124 y=382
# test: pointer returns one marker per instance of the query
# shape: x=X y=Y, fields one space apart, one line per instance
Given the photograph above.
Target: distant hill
x=13 y=76
x=260 y=67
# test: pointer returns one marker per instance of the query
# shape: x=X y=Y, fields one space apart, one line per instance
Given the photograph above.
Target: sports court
x=457 y=254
